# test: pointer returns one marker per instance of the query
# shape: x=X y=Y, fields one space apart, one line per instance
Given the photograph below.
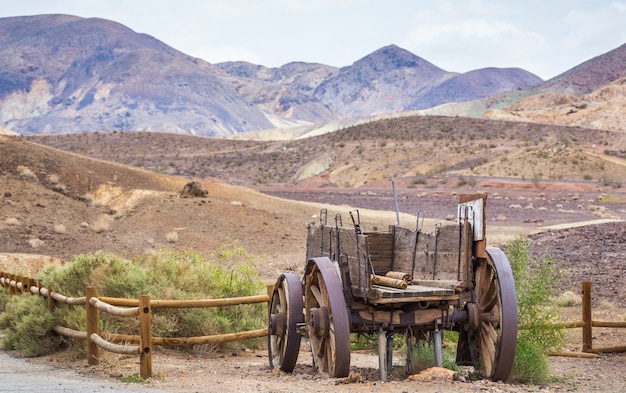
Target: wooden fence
x=587 y=324
x=141 y=308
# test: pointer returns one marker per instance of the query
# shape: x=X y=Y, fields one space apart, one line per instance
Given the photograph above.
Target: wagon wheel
x=492 y=327
x=327 y=318
x=285 y=313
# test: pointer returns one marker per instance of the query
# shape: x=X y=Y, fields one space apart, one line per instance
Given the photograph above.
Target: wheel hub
x=278 y=324
x=473 y=316
x=319 y=321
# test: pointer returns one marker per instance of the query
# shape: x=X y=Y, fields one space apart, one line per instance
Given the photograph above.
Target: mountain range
x=66 y=74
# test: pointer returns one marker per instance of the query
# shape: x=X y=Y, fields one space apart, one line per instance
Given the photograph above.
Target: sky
x=545 y=37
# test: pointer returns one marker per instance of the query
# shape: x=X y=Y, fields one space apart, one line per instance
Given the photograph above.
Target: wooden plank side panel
x=381 y=251
x=354 y=251
x=445 y=243
x=314 y=243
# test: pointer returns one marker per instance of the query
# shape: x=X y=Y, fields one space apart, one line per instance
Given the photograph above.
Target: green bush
x=27 y=324
x=165 y=274
x=537 y=335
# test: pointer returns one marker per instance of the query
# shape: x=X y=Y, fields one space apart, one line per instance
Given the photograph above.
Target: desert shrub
x=609 y=198
x=35 y=242
x=4 y=298
x=102 y=224
x=27 y=325
x=27 y=173
x=537 y=335
x=12 y=221
x=172 y=237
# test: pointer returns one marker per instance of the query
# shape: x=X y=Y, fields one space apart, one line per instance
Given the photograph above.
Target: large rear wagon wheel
x=283 y=339
x=327 y=318
x=491 y=333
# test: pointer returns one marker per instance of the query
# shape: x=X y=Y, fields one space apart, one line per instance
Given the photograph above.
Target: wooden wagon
x=397 y=280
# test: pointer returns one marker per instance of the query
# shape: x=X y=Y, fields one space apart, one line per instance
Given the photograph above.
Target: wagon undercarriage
x=398 y=281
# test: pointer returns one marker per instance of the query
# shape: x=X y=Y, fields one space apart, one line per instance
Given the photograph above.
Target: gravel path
x=20 y=375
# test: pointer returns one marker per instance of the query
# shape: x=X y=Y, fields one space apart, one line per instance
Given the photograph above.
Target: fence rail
x=141 y=308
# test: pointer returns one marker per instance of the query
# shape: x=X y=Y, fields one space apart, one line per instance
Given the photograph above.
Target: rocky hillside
x=65 y=74
x=475 y=85
x=415 y=150
x=603 y=108
x=389 y=80
x=591 y=95
x=590 y=75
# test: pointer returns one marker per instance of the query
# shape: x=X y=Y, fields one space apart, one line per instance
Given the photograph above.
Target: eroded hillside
x=416 y=151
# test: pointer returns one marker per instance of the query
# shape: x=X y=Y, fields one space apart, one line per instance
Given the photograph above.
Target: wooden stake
x=92 y=325
x=145 y=334
x=587 y=322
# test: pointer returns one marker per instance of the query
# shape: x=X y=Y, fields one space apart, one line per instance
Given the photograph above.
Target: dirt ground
x=246 y=371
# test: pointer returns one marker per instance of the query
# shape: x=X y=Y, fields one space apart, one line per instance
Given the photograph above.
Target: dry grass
x=102 y=224
x=27 y=173
x=35 y=242
x=12 y=221
x=172 y=237
x=569 y=299
x=53 y=179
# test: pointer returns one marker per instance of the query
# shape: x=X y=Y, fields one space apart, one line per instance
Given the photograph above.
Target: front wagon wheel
x=327 y=318
x=490 y=336
x=285 y=313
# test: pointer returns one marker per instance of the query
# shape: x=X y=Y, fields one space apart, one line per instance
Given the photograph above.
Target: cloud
x=473 y=44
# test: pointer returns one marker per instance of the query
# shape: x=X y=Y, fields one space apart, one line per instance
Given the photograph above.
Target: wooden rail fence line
x=141 y=308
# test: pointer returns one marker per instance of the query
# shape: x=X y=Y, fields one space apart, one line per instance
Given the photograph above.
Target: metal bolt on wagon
x=398 y=281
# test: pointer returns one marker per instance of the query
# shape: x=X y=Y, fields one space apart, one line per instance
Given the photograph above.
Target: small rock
x=434 y=374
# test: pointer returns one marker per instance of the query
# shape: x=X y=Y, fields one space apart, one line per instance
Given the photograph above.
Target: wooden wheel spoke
x=487 y=348
x=493 y=316
x=317 y=294
x=490 y=304
x=485 y=284
x=282 y=301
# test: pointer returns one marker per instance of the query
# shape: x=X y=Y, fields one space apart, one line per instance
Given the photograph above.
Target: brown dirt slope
x=59 y=204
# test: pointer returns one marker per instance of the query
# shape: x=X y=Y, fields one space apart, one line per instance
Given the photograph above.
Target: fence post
x=25 y=284
x=586 y=306
x=92 y=325
x=32 y=283
x=145 y=337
